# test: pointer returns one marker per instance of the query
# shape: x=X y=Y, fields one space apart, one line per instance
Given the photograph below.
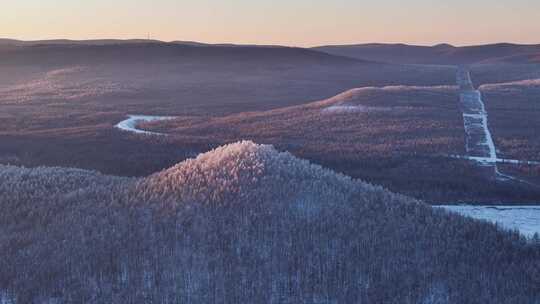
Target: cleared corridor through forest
x=480 y=146
x=479 y=142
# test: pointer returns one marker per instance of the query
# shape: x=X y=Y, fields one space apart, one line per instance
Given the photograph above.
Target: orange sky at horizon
x=295 y=23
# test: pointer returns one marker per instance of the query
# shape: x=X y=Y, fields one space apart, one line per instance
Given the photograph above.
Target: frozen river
x=526 y=219
x=130 y=124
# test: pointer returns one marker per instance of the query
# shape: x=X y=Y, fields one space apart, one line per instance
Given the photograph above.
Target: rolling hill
x=245 y=223
x=65 y=52
x=397 y=136
x=516 y=59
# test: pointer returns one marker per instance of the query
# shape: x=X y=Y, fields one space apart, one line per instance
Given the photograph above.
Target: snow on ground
x=6 y=298
x=398 y=88
x=340 y=104
x=130 y=124
x=412 y=88
x=526 y=219
x=480 y=146
x=475 y=118
x=498 y=160
x=343 y=109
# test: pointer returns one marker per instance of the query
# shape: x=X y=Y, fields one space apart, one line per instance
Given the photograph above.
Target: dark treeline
x=245 y=224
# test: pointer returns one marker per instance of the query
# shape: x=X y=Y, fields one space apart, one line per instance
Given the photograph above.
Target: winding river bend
x=130 y=124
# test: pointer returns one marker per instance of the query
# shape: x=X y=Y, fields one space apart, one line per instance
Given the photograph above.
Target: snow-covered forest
x=246 y=224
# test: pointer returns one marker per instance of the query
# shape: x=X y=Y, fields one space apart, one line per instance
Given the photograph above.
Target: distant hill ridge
x=372 y=52
x=15 y=42
x=437 y=54
x=117 y=51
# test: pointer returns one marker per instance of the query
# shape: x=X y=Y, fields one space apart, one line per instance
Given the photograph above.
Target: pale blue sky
x=300 y=22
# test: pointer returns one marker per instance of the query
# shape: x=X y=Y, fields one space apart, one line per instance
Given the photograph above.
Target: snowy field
x=526 y=219
x=130 y=124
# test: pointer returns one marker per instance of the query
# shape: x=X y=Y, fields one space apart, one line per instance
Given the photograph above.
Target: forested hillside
x=246 y=224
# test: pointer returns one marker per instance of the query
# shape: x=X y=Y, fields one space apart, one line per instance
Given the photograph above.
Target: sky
x=284 y=22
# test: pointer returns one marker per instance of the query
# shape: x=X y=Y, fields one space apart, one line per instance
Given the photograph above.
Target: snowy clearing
x=341 y=103
x=344 y=109
x=130 y=124
x=526 y=219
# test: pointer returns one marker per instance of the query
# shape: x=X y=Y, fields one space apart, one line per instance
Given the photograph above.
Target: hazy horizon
x=266 y=44
x=302 y=23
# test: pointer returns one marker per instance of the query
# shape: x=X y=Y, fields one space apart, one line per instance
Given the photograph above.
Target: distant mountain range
x=15 y=42
x=444 y=54
x=438 y=54
x=150 y=51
